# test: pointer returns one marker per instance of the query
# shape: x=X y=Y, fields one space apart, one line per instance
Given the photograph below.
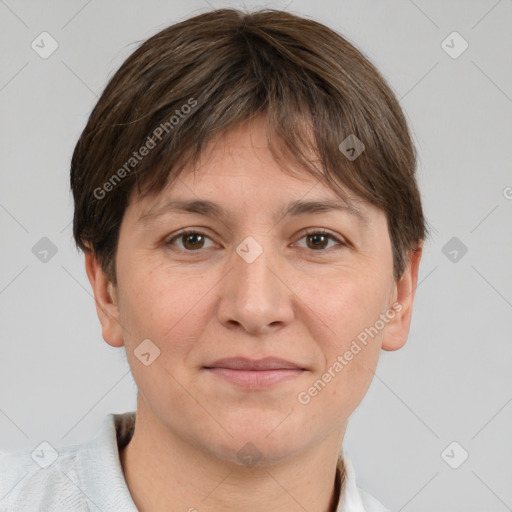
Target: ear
x=397 y=329
x=105 y=296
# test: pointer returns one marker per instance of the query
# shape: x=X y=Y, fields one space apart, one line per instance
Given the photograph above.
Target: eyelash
x=318 y=231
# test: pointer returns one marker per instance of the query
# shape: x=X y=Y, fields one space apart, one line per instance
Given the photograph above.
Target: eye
x=192 y=240
x=318 y=239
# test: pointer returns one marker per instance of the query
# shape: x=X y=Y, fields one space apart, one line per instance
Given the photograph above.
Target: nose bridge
x=253 y=295
x=252 y=267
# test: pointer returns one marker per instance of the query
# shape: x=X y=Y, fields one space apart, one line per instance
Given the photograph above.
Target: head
x=249 y=112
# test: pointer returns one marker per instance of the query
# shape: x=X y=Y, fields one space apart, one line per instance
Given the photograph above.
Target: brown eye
x=193 y=240
x=190 y=240
x=319 y=240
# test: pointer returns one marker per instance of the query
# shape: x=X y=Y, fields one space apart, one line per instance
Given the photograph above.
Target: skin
x=296 y=302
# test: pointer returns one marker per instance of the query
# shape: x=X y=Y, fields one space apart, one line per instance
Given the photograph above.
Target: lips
x=242 y=363
x=252 y=374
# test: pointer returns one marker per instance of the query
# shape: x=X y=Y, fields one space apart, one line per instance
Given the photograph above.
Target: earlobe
x=105 y=297
x=397 y=330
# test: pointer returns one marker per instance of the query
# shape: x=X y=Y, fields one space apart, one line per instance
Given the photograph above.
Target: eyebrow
x=210 y=209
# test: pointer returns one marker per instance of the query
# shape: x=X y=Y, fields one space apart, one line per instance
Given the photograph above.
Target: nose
x=255 y=296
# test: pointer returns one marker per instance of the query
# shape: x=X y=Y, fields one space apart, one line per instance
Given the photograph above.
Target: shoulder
x=371 y=504
x=353 y=498
x=78 y=477
x=43 y=479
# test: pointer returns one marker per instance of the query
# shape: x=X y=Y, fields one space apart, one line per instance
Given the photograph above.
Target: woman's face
x=253 y=284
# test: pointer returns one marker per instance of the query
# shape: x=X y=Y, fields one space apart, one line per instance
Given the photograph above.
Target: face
x=253 y=284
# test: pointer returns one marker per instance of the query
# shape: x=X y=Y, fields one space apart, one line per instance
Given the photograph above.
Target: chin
x=245 y=452
x=258 y=445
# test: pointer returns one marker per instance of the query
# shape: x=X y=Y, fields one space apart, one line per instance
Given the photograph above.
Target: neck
x=190 y=480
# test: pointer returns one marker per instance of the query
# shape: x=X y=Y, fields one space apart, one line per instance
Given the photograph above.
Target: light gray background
x=451 y=382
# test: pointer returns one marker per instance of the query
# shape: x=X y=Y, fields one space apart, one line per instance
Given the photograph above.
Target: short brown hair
x=226 y=66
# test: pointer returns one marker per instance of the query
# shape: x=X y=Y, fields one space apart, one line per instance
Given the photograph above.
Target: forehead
x=237 y=170
x=230 y=192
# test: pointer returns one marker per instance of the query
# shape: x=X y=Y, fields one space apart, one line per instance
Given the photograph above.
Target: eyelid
x=342 y=241
x=324 y=231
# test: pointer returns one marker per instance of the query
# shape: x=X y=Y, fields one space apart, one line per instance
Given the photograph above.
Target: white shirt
x=89 y=477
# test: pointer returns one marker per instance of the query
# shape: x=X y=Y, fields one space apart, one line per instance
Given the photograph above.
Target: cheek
x=345 y=309
x=164 y=306
x=342 y=307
